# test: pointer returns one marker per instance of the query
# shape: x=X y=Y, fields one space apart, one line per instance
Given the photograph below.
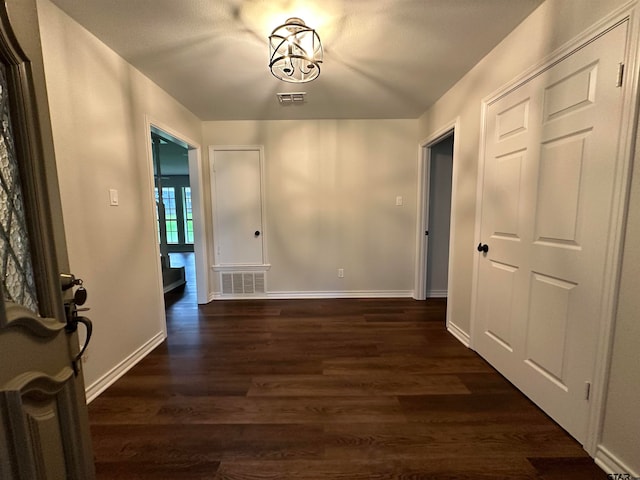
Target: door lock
x=68 y=281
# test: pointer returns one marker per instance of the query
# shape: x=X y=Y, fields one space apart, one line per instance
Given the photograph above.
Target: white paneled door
x=237 y=205
x=549 y=166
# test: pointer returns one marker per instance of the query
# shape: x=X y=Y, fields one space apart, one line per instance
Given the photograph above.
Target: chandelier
x=296 y=52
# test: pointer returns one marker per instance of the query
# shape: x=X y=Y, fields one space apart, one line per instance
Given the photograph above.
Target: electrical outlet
x=341 y=273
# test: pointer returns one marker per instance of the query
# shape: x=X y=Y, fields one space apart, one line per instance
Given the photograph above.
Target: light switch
x=113 y=197
x=398 y=200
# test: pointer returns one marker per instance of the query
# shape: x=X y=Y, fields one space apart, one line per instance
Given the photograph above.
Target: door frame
x=619 y=205
x=424 y=166
x=197 y=205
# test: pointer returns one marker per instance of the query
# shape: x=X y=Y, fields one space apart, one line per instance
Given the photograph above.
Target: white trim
x=620 y=200
x=321 y=294
x=460 y=334
x=241 y=268
x=109 y=378
x=263 y=208
x=618 y=216
x=424 y=152
x=436 y=294
x=612 y=464
x=201 y=256
x=197 y=205
x=422 y=219
x=153 y=239
x=478 y=223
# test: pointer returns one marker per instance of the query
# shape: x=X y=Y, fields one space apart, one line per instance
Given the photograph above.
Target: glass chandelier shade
x=295 y=52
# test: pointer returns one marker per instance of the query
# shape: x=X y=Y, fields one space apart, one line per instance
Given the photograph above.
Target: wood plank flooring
x=320 y=390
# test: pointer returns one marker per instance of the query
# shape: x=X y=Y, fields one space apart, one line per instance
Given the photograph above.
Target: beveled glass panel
x=16 y=271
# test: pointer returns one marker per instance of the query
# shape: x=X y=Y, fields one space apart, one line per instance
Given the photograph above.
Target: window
x=187 y=215
x=178 y=215
x=170 y=213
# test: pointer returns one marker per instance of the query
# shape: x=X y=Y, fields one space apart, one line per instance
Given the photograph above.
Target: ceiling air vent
x=291 y=98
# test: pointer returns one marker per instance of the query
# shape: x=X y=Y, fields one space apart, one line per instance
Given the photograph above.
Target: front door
x=551 y=150
x=43 y=416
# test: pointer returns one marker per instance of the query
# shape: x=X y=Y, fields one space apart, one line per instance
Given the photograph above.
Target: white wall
x=98 y=104
x=331 y=188
x=621 y=433
x=551 y=25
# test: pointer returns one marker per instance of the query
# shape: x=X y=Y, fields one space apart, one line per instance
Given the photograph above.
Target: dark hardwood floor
x=322 y=389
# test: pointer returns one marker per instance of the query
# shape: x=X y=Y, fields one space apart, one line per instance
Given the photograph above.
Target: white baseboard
x=319 y=294
x=437 y=294
x=461 y=335
x=100 y=385
x=608 y=462
x=211 y=297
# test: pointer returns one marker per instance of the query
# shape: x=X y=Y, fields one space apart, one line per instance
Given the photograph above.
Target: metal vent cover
x=290 y=98
x=243 y=283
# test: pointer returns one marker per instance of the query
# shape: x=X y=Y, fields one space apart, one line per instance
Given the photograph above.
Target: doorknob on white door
x=257 y=233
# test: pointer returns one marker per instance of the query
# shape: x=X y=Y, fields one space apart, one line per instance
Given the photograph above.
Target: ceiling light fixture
x=296 y=52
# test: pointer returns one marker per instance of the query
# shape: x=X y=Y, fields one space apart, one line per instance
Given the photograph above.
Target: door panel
x=42 y=429
x=237 y=197
x=550 y=160
x=501 y=304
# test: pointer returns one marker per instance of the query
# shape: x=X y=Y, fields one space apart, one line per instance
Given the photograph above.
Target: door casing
x=422 y=208
x=197 y=205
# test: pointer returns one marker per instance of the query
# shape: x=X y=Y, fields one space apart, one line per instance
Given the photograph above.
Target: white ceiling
x=382 y=58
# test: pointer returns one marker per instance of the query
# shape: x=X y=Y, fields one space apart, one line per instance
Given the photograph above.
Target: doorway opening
x=438 y=212
x=435 y=225
x=176 y=191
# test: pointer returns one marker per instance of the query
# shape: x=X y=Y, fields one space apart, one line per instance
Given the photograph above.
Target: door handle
x=483 y=248
x=68 y=281
x=257 y=233
x=71 y=327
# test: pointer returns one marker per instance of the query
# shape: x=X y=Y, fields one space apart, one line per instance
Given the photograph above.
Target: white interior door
x=550 y=160
x=237 y=196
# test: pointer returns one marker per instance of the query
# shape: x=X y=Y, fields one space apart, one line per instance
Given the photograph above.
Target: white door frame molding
x=626 y=13
x=424 y=163
x=197 y=206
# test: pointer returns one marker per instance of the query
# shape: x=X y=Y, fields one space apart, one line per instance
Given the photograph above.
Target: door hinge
x=620 y=74
x=587 y=390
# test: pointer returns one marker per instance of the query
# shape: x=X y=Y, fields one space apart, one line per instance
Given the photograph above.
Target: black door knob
x=257 y=233
x=483 y=248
